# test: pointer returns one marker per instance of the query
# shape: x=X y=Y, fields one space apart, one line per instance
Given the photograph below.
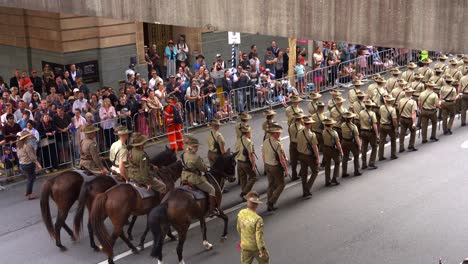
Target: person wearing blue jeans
x=28 y=161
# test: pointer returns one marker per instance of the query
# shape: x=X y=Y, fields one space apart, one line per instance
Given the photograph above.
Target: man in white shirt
x=130 y=71
x=19 y=112
x=27 y=96
x=154 y=80
x=8 y=110
x=81 y=104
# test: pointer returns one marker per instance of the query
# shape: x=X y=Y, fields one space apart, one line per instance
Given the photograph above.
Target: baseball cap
x=76 y=90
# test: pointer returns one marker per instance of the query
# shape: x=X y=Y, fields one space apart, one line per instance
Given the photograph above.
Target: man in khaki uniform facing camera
x=312 y=107
x=246 y=166
x=244 y=117
x=216 y=142
x=118 y=153
x=293 y=108
x=269 y=114
x=89 y=155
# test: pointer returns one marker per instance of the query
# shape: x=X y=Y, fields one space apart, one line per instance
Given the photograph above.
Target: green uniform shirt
x=269 y=151
x=305 y=137
x=250 y=229
x=385 y=112
x=407 y=106
x=330 y=137
x=349 y=130
x=429 y=98
x=138 y=167
x=367 y=118
x=448 y=93
x=290 y=111
x=293 y=130
x=193 y=167
x=248 y=145
x=213 y=137
x=318 y=125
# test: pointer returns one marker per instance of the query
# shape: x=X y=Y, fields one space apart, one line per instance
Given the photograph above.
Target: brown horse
x=179 y=207
x=65 y=188
x=122 y=201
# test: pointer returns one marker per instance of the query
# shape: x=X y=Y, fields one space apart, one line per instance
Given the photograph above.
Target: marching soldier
x=352 y=94
x=216 y=142
x=448 y=97
x=293 y=108
x=331 y=151
x=388 y=126
x=335 y=95
x=317 y=125
x=276 y=166
x=89 y=155
x=138 y=168
x=438 y=77
x=192 y=173
x=372 y=86
x=379 y=92
x=293 y=130
x=408 y=119
x=428 y=103
x=336 y=113
x=463 y=92
x=250 y=229
x=425 y=71
x=369 y=134
x=398 y=93
x=464 y=67
x=358 y=106
x=118 y=152
x=246 y=166
x=441 y=65
x=244 y=117
x=313 y=104
x=392 y=81
x=408 y=75
x=453 y=70
x=350 y=143
x=417 y=85
x=307 y=147
x=268 y=122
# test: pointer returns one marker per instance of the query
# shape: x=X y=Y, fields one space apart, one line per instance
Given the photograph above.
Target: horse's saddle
x=143 y=190
x=197 y=194
x=86 y=175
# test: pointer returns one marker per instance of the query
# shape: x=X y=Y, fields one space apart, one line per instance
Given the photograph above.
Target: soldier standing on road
x=448 y=97
x=293 y=108
x=453 y=70
x=293 y=154
x=246 y=166
x=312 y=107
x=441 y=64
x=408 y=75
x=216 y=142
x=331 y=151
x=372 y=86
x=350 y=143
x=417 y=86
x=352 y=94
x=463 y=92
x=307 y=147
x=392 y=81
x=118 y=152
x=369 y=134
x=425 y=71
x=428 y=103
x=336 y=113
x=358 y=106
x=388 y=127
x=408 y=119
x=244 y=117
x=276 y=166
x=89 y=155
x=335 y=95
x=268 y=122
x=317 y=126
x=438 y=78
x=250 y=229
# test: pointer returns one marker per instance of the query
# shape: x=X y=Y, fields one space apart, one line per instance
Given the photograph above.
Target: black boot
x=212 y=211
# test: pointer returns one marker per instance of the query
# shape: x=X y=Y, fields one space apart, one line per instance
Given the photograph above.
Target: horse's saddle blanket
x=199 y=195
x=143 y=191
x=89 y=176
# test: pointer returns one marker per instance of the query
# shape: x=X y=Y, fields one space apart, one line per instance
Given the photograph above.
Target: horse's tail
x=45 y=207
x=83 y=198
x=157 y=219
x=97 y=217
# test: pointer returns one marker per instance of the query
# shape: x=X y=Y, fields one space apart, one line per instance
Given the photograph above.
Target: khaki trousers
x=246 y=176
x=405 y=124
x=368 y=137
x=276 y=184
x=427 y=115
x=248 y=256
x=349 y=146
x=307 y=161
x=449 y=110
x=329 y=154
x=387 y=130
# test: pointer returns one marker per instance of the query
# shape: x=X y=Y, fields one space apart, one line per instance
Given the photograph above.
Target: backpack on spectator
x=177 y=114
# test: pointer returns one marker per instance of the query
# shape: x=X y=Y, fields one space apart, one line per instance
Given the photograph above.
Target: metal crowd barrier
x=149 y=123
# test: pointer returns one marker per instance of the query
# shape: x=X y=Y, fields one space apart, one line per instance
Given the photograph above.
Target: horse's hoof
x=207 y=245
x=62 y=248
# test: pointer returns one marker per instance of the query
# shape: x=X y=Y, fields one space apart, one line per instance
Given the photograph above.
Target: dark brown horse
x=122 y=201
x=65 y=188
x=179 y=207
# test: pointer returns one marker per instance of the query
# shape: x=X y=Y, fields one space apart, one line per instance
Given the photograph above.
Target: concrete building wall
x=416 y=24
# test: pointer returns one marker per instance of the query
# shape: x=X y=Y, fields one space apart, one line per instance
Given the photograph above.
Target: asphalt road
x=408 y=211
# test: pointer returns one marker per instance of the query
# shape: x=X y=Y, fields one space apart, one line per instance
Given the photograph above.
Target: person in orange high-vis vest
x=173 y=117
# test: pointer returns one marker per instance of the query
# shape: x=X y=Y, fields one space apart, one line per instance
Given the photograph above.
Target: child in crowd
x=142 y=118
x=8 y=160
x=24 y=119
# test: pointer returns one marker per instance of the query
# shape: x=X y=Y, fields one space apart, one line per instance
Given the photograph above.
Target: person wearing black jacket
x=14 y=81
x=36 y=81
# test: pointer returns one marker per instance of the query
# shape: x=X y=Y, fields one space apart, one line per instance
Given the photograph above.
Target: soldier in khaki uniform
x=448 y=97
x=312 y=107
x=453 y=70
x=392 y=81
x=358 y=106
x=216 y=142
x=336 y=113
x=441 y=65
x=408 y=119
x=250 y=229
x=269 y=114
x=293 y=131
x=398 y=92
x=118 y=152
x=438 y=77
x=138 y=168
x=335 y=95
x=425 y=71
x=369 y=134
x=307 y=147
x=244 y=117
x=352 y=94
x=463 y=92
x=378 y=96
x=192 y=172
x=276 y=167
x=317 y=126
x=408 y=75
x=246 y=166
x=293 y=108
x=417 y=86
x=89 y=155
x=464 y=67
x=428 y=103
x=388 y=127
x=350 y=143
x=372 y=86
x=331 y=151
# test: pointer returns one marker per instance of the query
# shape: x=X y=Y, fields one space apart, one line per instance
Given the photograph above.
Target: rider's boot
x=212 y=211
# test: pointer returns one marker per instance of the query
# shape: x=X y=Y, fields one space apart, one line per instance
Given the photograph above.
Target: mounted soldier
x=89 y=154
x=118 y=152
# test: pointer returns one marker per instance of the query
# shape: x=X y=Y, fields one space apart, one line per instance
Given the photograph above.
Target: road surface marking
x=464 y=145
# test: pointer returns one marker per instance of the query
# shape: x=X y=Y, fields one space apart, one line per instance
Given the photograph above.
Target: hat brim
x=95 y=129
x=246 y=117
x=270 y=113
x=124 y=132
x=139 y=143
x=296 y=100
x=275 y=131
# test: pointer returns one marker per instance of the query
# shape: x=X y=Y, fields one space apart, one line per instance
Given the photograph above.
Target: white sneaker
x=195 y=124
